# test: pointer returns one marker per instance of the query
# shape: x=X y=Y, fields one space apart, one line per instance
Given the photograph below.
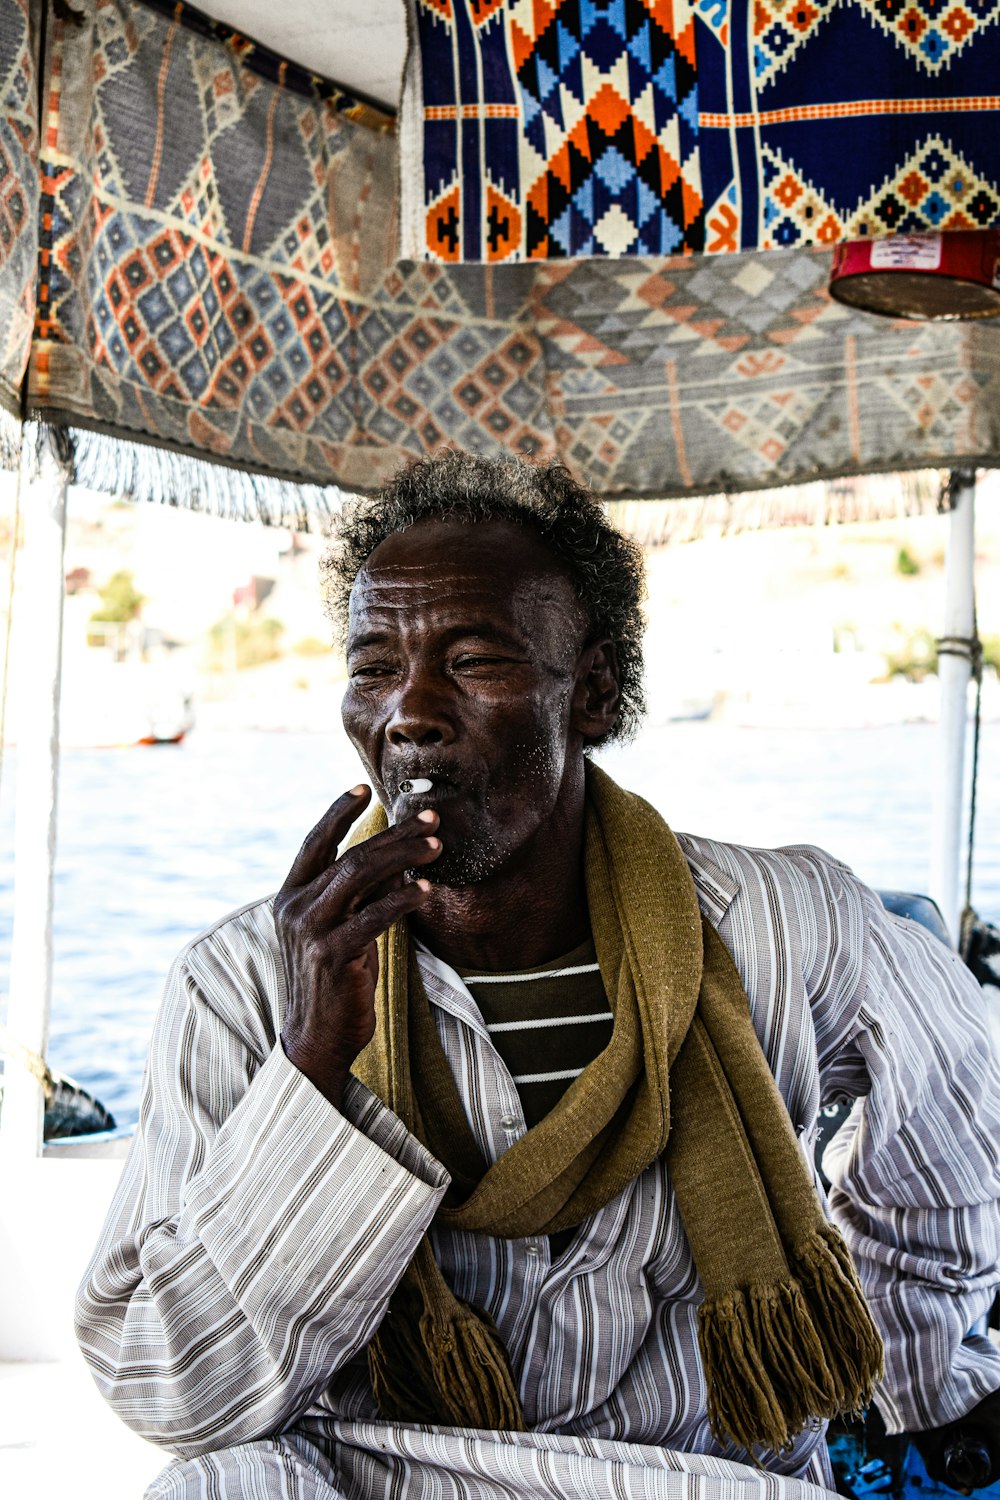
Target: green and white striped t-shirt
x=547 y=1023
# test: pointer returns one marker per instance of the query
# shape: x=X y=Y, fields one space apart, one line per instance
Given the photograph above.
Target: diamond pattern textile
x=543 y=129
x=217 y=276
x=18 y=197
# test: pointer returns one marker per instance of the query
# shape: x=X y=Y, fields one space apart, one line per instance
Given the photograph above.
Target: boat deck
x=58 y=1437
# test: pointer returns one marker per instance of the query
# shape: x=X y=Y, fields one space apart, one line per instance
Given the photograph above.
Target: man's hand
x=329 y=913
x=965 y=1454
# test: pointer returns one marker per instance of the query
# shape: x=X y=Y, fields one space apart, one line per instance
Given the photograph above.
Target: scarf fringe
x=443 y=1366
x=829 y=1282
x=753 y=1347
x=472 y=1371
x=400 y=1372
x=779 y=1356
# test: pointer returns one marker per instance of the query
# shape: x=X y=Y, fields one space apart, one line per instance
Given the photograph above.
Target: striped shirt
x=258 y=1232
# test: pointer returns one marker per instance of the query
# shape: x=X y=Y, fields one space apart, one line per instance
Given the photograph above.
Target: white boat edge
x=57 y=1435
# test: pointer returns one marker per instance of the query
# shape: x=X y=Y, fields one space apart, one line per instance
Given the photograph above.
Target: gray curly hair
x=605 y=567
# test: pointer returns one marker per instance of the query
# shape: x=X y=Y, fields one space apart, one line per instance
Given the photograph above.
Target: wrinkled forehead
x=447 y=570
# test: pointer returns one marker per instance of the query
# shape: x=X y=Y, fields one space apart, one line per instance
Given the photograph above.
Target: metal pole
x=955 y=652
x=37 y=662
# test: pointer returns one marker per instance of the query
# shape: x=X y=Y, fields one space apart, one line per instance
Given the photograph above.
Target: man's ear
x=596 y=696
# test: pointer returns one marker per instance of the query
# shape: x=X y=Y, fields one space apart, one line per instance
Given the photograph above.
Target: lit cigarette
x=422 y=784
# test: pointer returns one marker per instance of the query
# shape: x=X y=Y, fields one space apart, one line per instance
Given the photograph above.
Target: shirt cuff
x=974 y=1375
x=296 y=1204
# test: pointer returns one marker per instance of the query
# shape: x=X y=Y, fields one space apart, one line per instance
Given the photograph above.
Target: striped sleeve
x=257 y=1232
x=915 y=1170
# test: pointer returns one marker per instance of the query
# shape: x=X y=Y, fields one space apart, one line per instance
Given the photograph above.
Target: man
x=461 y=1168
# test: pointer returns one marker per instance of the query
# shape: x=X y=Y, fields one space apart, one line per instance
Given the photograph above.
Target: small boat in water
x=118 y=705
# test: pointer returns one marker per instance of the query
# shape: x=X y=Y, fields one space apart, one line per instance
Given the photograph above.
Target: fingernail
x=424 y=885
x=433 y=843
x=358 y=791
x=427 y=816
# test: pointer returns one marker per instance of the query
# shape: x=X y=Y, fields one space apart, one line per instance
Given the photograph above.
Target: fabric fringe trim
x=398 y=1367
x=837 y=502
x=163 y=476
x=472 y=1371
x=777 y=1357
x=135 y=470
x=829 y=1282
x=451 y=1369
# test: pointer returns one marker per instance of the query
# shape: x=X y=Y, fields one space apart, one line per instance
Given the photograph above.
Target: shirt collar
x=446 y=989
x=716 y=889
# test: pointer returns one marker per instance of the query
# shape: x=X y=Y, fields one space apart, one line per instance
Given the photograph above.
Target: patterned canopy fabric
x=217 y=276
x=18 y=198
x=541 y=129
x=215 y=225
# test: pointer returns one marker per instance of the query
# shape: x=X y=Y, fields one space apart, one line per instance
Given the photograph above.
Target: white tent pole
x=955 y=652
x=37 y=660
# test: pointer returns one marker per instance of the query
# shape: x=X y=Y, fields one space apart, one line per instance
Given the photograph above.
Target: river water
x=156 y=844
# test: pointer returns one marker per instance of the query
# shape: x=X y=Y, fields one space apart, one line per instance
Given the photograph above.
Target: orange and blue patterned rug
x=543 y=129
x=18 y=199
x=208 y=237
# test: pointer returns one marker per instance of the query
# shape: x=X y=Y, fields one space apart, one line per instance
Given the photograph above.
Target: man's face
x=462 y=655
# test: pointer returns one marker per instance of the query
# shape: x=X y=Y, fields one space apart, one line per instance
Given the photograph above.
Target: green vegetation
x=311 y=645
x=915 y=656
x=238 y=643
x=991 y=652
x=120 y=599
x=906 y=563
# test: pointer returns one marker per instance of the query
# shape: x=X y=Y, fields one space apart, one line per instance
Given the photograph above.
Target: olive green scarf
x=784 y=1331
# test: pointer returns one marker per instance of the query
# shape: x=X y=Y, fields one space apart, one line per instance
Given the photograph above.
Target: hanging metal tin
x=946 y=276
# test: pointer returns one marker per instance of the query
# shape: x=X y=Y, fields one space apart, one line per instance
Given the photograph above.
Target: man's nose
x=420 y=716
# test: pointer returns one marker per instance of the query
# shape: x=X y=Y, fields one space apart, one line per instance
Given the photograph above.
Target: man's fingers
x=365 y=873
x=319 y=848
x=361 y=930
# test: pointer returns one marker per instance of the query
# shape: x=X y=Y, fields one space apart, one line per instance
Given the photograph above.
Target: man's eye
x=480 y=661
x=371 y=669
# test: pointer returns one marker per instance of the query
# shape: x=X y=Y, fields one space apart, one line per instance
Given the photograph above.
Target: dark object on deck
x=866 y=1459
x=981 y=951
x=869 y=1464
x=919 y=909
x=70 y=1110
x=967 y=1464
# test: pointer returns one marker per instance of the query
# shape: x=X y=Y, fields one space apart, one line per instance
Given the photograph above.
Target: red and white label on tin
x=907 y=252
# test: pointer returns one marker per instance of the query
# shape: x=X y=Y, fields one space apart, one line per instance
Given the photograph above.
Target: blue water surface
x=154 y=845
